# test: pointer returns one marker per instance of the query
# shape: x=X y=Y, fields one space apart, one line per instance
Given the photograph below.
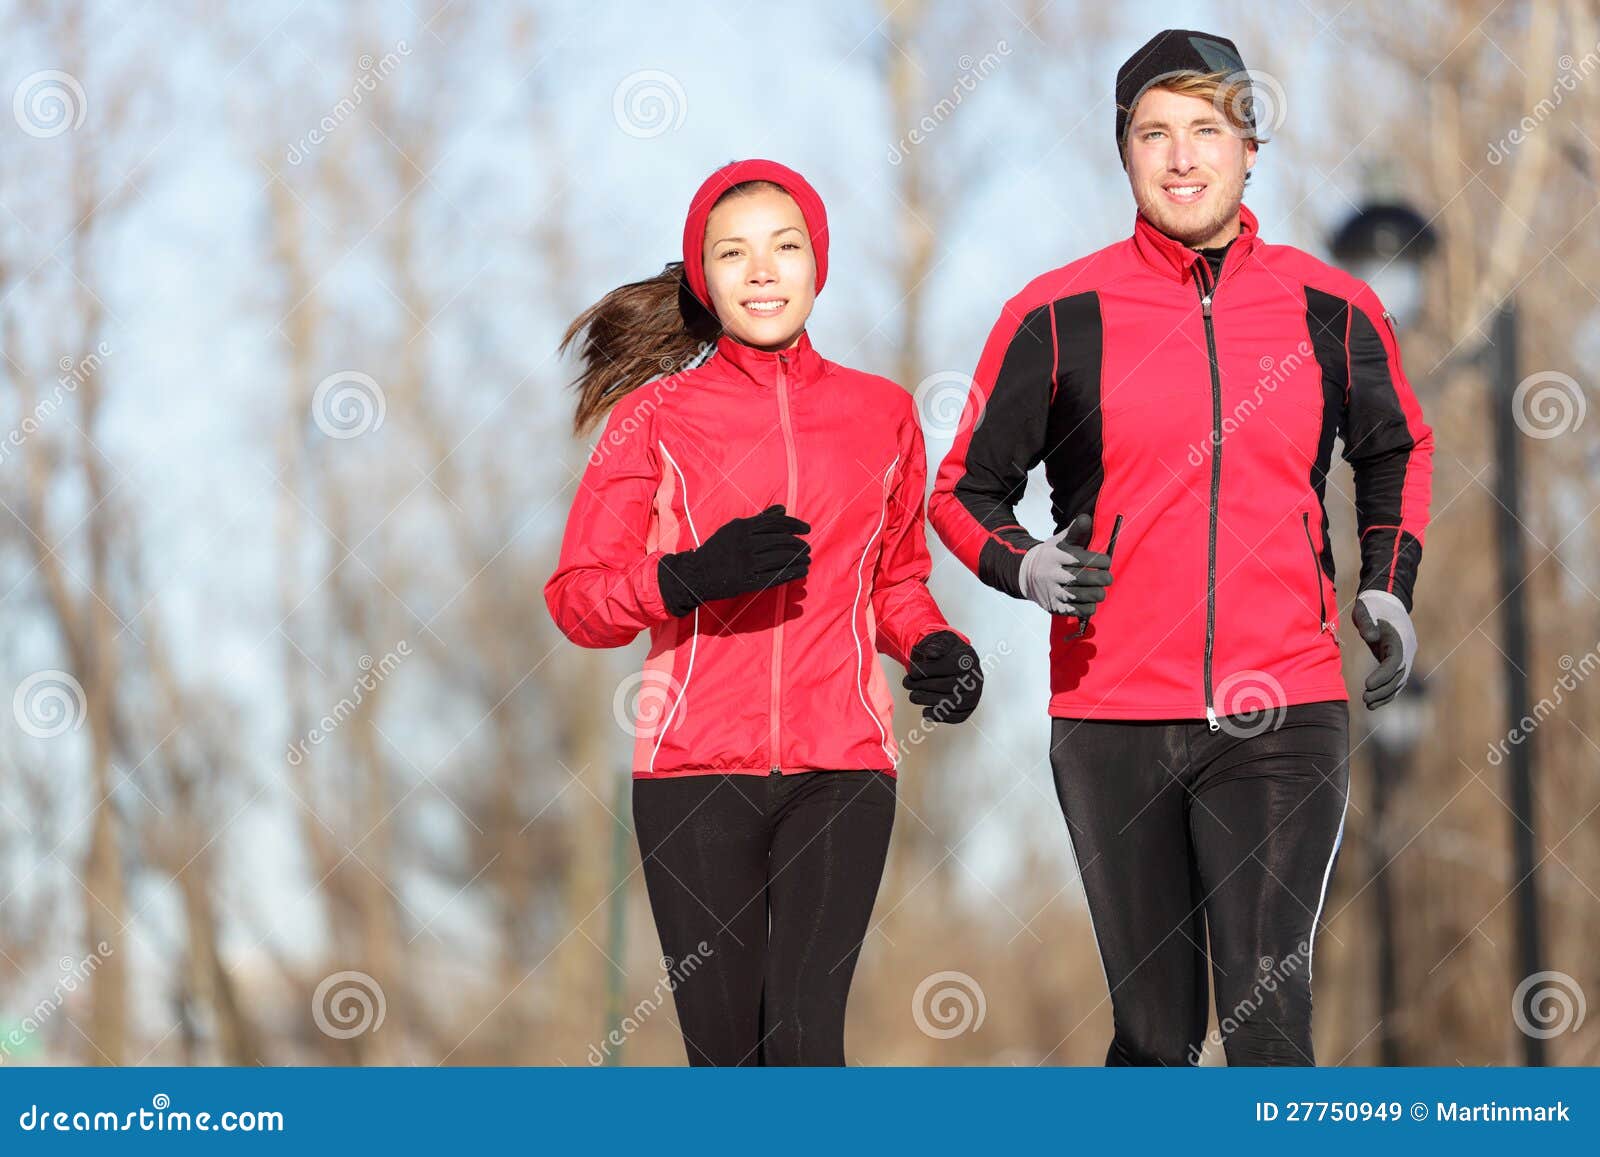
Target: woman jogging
x=1184 y=388
x=761 y=514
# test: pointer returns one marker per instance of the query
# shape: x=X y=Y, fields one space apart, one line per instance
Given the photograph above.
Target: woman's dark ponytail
x=634 y=334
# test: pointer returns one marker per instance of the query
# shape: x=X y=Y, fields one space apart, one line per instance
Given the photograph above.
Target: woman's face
x=760 y=270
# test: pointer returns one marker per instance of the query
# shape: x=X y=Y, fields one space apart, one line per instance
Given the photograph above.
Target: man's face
x=1187 y=167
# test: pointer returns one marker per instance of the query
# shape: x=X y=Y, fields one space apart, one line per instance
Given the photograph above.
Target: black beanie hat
x=1168 y=54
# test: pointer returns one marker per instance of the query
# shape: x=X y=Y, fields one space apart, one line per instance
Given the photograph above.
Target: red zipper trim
x=782 y=591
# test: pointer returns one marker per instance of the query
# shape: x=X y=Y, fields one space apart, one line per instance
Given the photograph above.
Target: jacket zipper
x=1316 y=565
x=1205 y=288
x=782 y=591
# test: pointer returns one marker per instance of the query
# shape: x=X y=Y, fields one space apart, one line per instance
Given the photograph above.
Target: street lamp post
x=1395 y=732
x=1502 y=353
x=1385 y=245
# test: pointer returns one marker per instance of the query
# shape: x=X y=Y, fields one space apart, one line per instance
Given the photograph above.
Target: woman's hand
x=944 y=677
x=744 y=555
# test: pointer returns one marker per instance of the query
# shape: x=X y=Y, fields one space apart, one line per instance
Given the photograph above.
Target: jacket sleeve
x=902 y=605
x=1000 y=438
x=1390 y=448
x=605 y=589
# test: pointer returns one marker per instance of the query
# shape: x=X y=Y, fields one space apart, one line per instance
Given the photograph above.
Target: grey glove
x=1063 y=575
x=1386 y=628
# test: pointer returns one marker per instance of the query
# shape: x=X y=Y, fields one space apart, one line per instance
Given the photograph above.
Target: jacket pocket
x=1109 y=552
x=1316 y=570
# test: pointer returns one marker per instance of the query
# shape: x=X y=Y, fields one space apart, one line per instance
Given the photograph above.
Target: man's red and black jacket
x=1194 y=418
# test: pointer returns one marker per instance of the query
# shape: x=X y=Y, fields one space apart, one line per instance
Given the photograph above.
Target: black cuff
x=1000 y=565
x=676 y=594
x=1390 y=560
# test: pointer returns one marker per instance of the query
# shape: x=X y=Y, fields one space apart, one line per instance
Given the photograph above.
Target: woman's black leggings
x=762 y=889
x=1178 y=832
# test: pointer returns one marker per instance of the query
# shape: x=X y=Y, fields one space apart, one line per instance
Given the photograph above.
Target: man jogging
x=1184 y=388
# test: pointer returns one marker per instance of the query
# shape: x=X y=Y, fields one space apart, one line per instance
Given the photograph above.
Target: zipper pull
x=1205 y=305
x=775 y=770
x=1211 y=720
x=1111 y=543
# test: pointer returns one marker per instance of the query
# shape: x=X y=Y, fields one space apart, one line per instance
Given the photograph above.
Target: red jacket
x=1196 y=421
x=787 y=679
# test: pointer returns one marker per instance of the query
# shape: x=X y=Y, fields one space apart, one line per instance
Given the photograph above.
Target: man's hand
x=1063 y=575
x=1386 y=628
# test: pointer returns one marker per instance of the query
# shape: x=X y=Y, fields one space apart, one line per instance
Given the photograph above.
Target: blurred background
x=296 y=768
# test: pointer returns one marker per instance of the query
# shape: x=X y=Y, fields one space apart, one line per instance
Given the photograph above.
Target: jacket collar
x=800 y=362
x=1174 y=259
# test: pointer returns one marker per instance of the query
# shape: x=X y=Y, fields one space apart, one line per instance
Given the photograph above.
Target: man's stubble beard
x=1227 y=206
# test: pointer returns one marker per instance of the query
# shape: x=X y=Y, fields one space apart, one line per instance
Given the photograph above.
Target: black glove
x=744 y=555
x=944 y=677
